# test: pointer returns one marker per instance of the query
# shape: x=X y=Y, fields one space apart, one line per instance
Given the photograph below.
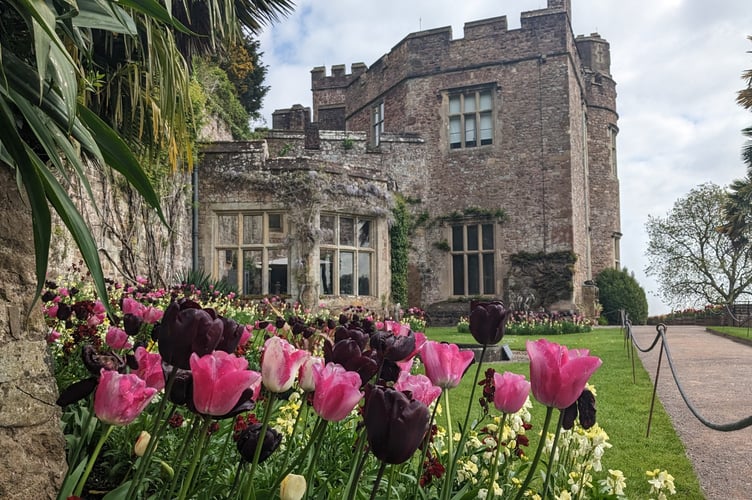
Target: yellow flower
x=292 y=487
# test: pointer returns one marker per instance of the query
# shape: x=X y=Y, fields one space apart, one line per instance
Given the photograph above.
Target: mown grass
x=623 y=408
x=744 y=333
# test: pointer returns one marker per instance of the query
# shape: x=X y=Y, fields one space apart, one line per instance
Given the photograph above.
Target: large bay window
x=250 y=252
x=347 y=256
x=470 y=118
x=472 y=251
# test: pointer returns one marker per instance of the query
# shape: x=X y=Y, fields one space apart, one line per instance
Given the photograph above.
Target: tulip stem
x=378 y=480
x=536 y=459
x=463 y=436
x=352 y=482
x=260 y=444
x=196 y=456
x=446 y=493
x=550 y=467
x=304 y=454
x=315 y=457
x=187 y=438
x=426 y=444
x=495 y=467
x=90 y=465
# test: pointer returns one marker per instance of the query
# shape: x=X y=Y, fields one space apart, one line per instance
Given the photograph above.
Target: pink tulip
x=219 y=380
x=150 y=368
x=445 y=363
x=152 y=314
x=419 y=386
x=51 y=311
x=510 y=391
x=558 y=375
x=337 y=391
x=396 y=327
x=53 y=336
x=120 y=398
x=280 y=364
x=307 y=381
x=116 y=338
x=134 y=307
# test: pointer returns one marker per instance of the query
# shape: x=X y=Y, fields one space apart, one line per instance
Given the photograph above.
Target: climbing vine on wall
x=398 y=238
x=546 y=276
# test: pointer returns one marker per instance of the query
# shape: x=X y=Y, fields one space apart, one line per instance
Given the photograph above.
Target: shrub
x=618 y=289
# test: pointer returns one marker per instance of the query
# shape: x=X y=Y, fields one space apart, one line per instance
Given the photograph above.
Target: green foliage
x=618 y=289
x=199 y=279
x=693 y=261
x=547 y=275
x=242 y=64
x=348 y=143
x=398 y=238
x=476 y=213
x=221 y=97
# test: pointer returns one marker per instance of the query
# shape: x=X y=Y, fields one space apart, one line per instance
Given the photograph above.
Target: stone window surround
x=377 y=123
x=479 y=115
x=360 y=251
x=482 y=252
x=268 y=246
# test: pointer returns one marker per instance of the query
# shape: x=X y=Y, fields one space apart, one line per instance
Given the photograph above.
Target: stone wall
x=32 y=462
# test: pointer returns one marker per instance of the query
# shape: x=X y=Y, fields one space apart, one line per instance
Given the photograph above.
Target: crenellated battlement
x=338 y=77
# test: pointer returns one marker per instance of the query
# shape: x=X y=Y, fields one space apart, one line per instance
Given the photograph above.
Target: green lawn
x=744 y=333
x=623 y=408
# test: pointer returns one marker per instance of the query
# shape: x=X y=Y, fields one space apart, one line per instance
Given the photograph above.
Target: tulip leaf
x=119 y=493
x=71 y=479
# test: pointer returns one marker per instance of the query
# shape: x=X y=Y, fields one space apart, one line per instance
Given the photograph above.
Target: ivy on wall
x=398 y=238
x=547 y=276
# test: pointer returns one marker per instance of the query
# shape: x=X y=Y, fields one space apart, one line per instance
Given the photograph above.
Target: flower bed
x=183 y=393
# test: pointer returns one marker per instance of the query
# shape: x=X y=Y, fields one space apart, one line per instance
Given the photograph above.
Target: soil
x=716 y=375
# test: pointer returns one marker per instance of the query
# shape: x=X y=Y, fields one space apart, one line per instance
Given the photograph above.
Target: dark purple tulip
x=48 y=296
x=231 y=334
x=488 y=321
x=585 y=406
x=188 y=330
x=94 y=361
x=249 y=438
x=393 y=347
x=77 y=391
x=132 y=324
x=63 y=311
x=356 y=334
x=395 y=424
x=181 y=392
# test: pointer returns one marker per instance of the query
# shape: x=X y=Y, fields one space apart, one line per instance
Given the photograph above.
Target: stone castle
x=501 y=143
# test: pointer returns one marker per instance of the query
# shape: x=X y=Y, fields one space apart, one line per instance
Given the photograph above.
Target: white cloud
x=677 y=64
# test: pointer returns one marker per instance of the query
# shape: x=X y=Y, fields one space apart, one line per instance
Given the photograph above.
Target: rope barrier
x=664 y=347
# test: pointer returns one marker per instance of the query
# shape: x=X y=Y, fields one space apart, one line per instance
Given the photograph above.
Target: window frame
x=466 y=116
x=377 y=123
x=270 y=245
x=476 y=256
x=336 y=250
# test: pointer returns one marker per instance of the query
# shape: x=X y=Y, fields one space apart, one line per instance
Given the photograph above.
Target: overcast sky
x=677 y=65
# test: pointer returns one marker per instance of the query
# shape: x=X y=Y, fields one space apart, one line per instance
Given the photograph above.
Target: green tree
x=693 y=262
x=75 y=77
x=738 y=206
x=619 y=290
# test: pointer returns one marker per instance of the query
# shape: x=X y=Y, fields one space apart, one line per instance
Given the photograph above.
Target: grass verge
x=623 y=408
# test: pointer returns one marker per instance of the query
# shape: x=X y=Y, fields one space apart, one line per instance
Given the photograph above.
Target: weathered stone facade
x=503 y=141
x=32 y=463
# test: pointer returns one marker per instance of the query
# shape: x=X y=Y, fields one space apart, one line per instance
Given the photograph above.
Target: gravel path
x=716 y=375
